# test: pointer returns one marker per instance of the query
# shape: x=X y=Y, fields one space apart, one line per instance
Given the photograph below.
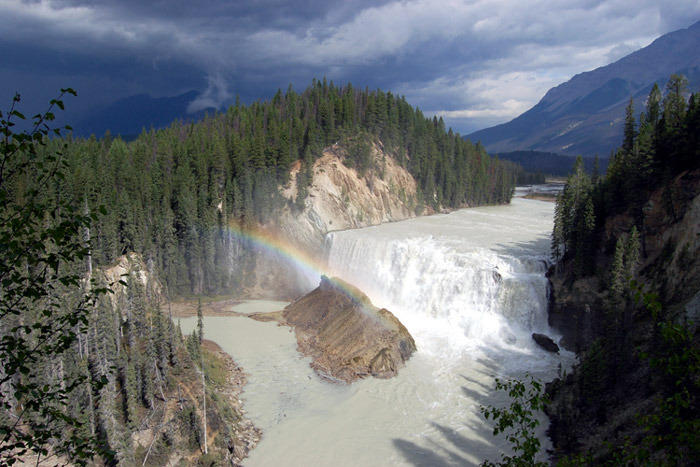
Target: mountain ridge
x=585 y=114
x=128 y=116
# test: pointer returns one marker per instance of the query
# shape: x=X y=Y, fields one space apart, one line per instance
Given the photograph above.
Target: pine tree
x=557 y=239
x=653 y=112
x=674 y=103
x=617 y=273
x=631 y=255
x=200 y=321
x=630 y=132
x=131 y=392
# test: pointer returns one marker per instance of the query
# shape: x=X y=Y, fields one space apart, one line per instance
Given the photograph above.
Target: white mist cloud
x=213 y=97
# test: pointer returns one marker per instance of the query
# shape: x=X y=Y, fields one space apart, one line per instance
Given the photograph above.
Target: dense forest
x=550 y=163
x=624 y=273
x=92 y=366
x=170 y=193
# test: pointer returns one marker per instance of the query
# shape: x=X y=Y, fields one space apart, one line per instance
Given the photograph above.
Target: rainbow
x=273 y=243
x=312 y=267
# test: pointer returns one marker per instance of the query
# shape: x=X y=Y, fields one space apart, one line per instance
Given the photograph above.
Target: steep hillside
x=337 y=197
x=551 y=163
x=141 y=400
x=627 y=355
x=151 y=410
x=340 y=198
x=585 y=114
x=625 y=297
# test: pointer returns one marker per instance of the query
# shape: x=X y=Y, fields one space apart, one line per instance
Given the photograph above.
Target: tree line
x=663 y=143
x=641 y=349
x=86 y=360
x=171 y=193
x=85 y=367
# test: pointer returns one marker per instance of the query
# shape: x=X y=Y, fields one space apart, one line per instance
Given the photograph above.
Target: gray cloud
x=474 y=62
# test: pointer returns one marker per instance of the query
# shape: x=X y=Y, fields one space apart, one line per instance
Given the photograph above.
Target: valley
x=267 y=240
x=469 y=286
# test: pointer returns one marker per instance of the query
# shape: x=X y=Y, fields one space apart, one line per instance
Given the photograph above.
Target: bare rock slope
x=347 y=337
x=340 y=198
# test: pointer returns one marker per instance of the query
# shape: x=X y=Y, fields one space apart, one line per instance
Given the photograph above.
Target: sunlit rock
x=347 y=337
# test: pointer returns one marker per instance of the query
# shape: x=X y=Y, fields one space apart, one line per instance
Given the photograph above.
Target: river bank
x=470 y=288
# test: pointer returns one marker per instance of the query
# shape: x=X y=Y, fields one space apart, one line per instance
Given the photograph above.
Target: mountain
x=585 y=115
x=549 y=163
x=128 y=116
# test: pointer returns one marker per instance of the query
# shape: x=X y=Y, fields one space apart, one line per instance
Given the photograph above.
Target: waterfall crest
x=472 y=290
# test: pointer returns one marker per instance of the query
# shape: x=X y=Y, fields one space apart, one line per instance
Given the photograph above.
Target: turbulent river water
x=470 y=288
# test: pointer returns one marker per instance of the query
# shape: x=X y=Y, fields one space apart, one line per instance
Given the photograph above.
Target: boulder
x=346 y=336
x=545 y=342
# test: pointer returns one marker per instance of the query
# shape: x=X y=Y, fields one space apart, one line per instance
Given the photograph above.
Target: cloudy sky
x=477 y=63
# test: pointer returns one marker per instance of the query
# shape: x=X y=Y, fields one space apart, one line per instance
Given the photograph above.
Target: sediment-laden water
x=470 y=288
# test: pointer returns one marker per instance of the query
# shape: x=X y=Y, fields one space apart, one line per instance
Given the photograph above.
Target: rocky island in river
x=347 y=337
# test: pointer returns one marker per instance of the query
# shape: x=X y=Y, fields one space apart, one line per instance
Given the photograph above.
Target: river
x=470 y=288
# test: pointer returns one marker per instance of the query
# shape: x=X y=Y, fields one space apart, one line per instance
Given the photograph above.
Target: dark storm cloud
x=476 y=63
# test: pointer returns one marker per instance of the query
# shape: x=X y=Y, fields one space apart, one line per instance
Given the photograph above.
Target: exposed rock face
x=340 y=198
x=670 y=235
x=131 y=264
x=347 y=337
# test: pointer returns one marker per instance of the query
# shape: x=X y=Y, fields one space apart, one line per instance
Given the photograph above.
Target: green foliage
x=632 y=252
x=573 y=234
x=200 y=321
x=667 y=432
x=664 y=144
x=661 y=147
x=193 y=346
x=174 y=193
x=45 y=298
x=617 y=273
x=190 y=425
x=673 y=426
x=81 y=371
x=518 y=421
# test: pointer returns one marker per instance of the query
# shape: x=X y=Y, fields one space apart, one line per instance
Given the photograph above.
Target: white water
x=436 y=274
x=469 y=280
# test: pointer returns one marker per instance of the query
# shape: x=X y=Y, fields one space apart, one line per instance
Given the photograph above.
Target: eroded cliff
x=340 y=198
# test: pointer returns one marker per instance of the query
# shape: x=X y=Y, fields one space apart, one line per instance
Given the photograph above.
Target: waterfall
x=470 y=292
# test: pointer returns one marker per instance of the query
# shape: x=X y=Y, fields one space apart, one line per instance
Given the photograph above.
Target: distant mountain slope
x=585 y=115
x=128 y=116
x=550 y=163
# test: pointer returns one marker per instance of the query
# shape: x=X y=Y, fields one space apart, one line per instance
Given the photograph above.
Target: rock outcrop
x=545 y=342
x=131 y=265
x=346 y=336
x=340 y=198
